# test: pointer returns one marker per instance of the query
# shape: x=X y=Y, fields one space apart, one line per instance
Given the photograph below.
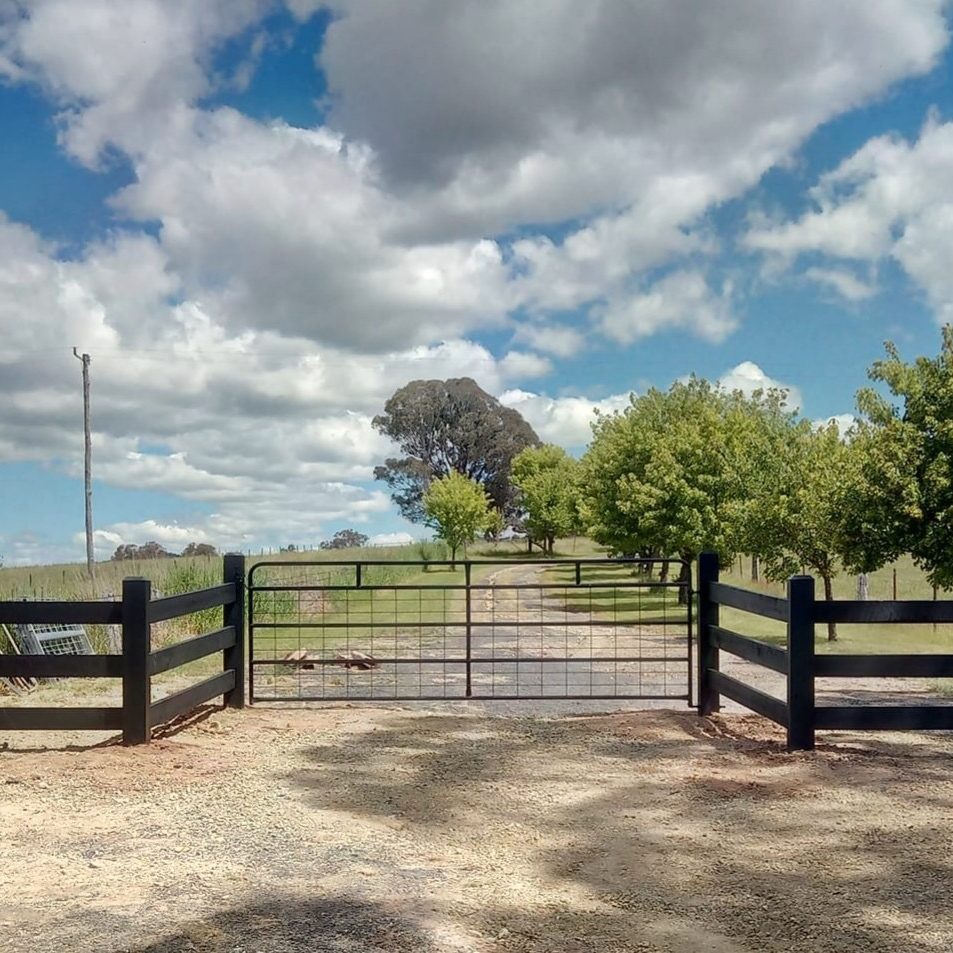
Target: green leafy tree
x=450 y=426
x=673 y=473
x=901 y=496
x=495 y=525
x=797 y=514
x=200 y=549
x=344 y=539
x=457 y=508
x=548 y=481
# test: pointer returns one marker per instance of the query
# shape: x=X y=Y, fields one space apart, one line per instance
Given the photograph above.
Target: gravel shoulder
x=432 y=829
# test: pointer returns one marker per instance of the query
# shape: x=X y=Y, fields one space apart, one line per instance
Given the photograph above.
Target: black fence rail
x=136 y=612
x=800 y=712
x=592 y=628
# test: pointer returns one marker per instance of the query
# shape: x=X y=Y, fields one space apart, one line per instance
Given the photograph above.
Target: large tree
x=457 y=508
x=344 y=539
x=548 y=481
x=797 y=513
x=445 y=427
x=902 y=487
x=673 y=473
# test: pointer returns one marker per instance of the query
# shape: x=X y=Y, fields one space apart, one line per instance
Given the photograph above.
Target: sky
x=261 y=218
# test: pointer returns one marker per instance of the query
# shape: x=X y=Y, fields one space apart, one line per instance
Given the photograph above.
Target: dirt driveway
x=373 y=829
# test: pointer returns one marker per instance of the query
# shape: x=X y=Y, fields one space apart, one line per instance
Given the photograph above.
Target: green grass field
x=852 y=639
x=171 y=576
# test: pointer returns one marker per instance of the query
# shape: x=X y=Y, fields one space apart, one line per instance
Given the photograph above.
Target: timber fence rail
x=137 y=664
x=799 y=712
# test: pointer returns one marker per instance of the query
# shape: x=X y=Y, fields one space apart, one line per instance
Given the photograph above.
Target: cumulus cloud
x=390 y=539
x=558 y=340
x=844 y=422
x=748 y=377
x=682 y=299
x=485 y=168
x=566 y=421
x=892 y=199
x=845 y=283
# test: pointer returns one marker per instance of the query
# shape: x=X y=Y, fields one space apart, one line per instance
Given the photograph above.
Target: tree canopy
x=797 y=514
x=904 y=473
x=344 y=539
x=450 y=426
x=548 y=481
x=457 y=508
x=674 y=472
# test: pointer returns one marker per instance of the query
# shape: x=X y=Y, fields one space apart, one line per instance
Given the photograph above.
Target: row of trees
x=696 y=467
x=154 y=550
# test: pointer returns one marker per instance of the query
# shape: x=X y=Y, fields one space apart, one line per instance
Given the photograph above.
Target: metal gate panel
x=479 y=629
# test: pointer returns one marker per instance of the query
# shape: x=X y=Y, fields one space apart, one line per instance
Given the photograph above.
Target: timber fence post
x=234 y=615
x=136 y=647
x=709 y=700
x=801 y=663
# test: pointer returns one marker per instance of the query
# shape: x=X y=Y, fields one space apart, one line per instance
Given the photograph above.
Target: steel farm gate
x=481 y=629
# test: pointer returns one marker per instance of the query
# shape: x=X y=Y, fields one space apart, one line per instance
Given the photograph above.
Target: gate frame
x=468 y=586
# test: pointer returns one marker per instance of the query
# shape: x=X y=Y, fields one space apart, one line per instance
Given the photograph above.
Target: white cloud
x=390 y=539
x=682 y=299
x=378 y=229
x=562 y=420
x=282 y=282
x=121 y=69
x=521 y=365
x=845 y=283
x=560 y=341
x=748 y=377
x=844 y=422
x=891 y=199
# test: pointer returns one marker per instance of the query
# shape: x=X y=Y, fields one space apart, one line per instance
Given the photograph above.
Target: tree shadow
x=695 y=839
x=283 y=925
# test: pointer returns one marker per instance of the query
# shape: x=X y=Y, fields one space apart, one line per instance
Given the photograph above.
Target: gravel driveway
x=365 y=830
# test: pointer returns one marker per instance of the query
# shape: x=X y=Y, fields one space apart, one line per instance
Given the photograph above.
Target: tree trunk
x=755 y=569
x=863 y=587
x=453 y=558
x=829 y=595
x=684 y=577
x=664 y=571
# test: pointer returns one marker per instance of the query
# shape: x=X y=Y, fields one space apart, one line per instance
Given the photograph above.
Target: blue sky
x=260 y=218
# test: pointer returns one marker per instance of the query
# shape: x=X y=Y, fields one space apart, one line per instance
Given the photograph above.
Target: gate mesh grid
x=581 y=629
x=576 y=629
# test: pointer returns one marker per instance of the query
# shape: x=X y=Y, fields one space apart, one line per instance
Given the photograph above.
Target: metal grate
x=483 y=629
x=52 y=640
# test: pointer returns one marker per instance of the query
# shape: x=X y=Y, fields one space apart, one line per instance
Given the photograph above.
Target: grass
x=171 y=576
x=852 y=639
x=613 y=601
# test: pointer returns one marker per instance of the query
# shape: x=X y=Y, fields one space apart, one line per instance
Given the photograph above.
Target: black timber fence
x=136 y=613
x=799 y=712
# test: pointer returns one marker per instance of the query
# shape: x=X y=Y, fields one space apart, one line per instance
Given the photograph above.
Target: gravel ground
x=440 y=829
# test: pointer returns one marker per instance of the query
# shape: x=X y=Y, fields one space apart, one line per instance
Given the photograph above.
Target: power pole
x=87 y=467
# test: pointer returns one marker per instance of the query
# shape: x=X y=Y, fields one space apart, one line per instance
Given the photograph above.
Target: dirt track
x=389 y=830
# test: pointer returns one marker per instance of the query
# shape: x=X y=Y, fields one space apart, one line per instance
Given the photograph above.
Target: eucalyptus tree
x=449 y=426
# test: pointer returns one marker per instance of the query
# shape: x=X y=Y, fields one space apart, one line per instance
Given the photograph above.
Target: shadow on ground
x=668 y=831
x=325 y=925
